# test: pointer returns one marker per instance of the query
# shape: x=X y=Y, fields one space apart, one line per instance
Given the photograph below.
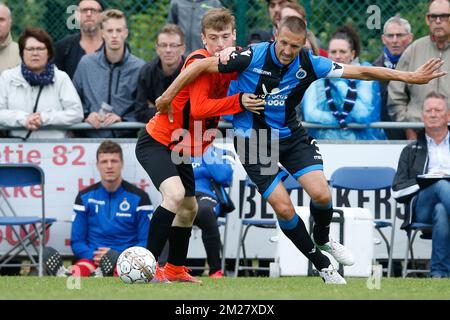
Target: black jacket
x=68 y=54
x=413 y=161
x=151 y=84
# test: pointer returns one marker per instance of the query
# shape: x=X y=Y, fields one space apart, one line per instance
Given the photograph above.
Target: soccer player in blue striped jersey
x=280 y=72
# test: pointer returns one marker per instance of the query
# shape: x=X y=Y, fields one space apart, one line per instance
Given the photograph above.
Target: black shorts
x=157 y=161
x=298 y=154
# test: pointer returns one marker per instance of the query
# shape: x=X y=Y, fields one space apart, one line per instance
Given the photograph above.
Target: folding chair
x=370 y=179
x=21 y=175
x=412 y=228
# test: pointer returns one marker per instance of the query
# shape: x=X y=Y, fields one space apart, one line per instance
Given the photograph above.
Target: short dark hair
x=40 y=35
x=218 y=19
x=293 y=24
x=171 y=29
x=100 y=2
x=350 y=35
x=109 y=146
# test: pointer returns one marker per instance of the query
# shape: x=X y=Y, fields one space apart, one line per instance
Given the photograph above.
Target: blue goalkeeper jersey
x=116 y=220
x=281 y=86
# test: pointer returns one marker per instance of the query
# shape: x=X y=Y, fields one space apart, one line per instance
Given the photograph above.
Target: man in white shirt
x=430 y=155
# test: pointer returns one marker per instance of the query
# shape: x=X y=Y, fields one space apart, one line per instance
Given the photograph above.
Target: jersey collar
x=118 y=190
x=274 y=55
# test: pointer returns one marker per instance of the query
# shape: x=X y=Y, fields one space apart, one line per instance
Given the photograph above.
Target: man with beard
x=72 y=48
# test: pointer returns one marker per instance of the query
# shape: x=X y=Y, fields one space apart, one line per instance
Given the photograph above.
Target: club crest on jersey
x=301 y=74
x=125 y=205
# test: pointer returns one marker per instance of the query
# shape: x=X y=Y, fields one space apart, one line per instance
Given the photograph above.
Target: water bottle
x=104 y=109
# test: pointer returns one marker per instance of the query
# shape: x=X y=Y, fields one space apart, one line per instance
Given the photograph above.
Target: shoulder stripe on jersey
x=77 y=207
x=146 y=208
x=100 y=202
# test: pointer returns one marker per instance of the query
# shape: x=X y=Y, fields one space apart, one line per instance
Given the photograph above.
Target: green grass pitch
x=285 y=288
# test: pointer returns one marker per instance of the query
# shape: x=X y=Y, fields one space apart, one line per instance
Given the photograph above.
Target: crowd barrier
x=226 y=125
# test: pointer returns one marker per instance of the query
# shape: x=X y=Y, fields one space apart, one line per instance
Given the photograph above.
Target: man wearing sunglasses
x=405 y=100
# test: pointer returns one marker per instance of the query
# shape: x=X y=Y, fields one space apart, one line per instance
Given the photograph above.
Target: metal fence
x=147 y=16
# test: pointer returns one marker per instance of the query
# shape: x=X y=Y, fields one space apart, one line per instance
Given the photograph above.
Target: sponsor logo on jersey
x=274 y=97
x=124 y=215
x=263 y=72
x=100 y=202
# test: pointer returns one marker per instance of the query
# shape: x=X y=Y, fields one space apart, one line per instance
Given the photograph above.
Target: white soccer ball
x=136 y=265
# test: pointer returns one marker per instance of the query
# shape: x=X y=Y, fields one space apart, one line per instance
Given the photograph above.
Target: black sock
x=158 y=232
x=212 y=248
x=178 y=245
x=322 y=219
x=295 y=230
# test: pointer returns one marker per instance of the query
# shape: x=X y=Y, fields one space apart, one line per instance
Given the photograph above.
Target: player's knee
x=284 y=210
x=188 y=211
x=442 y=186
x=173 y=199
x=193 y=209
x=321 y=199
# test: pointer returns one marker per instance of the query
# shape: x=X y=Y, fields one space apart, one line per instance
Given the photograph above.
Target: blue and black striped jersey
x=282 y=86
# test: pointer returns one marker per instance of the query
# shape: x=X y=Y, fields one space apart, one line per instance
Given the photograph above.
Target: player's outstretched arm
x=184 y=78
x=423 y=75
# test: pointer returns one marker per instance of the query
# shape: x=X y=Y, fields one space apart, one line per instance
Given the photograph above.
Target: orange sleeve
x=202 y=106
